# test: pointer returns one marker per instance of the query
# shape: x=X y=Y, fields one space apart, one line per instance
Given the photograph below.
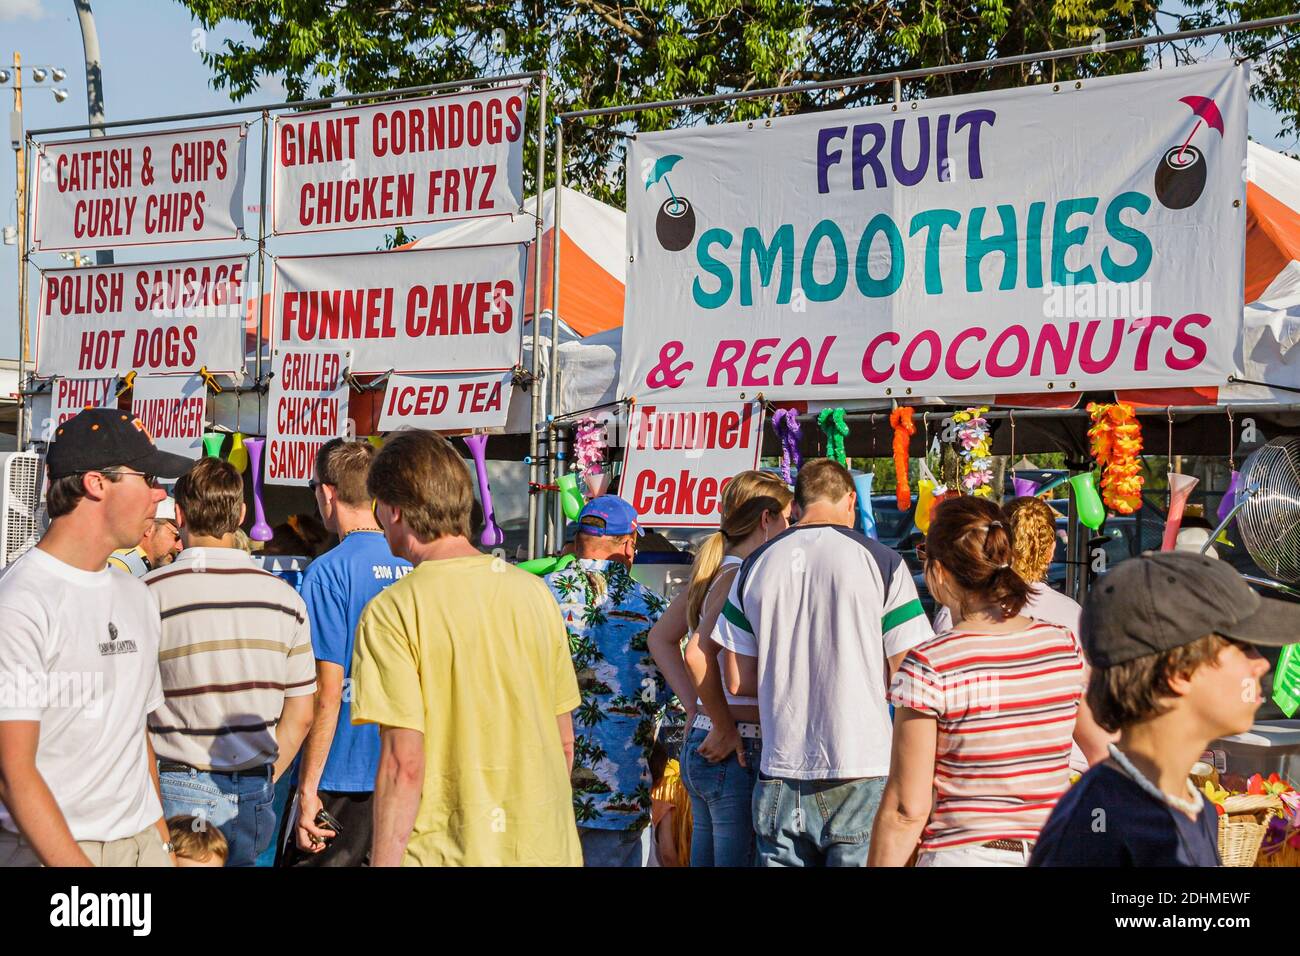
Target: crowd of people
x=423 y=703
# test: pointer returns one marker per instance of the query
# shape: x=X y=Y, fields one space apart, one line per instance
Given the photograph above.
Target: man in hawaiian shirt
x=608 y=616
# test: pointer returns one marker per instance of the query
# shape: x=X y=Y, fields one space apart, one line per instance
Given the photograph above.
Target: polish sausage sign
x=679 y=458
x=424 y=160
x=154 y=318
x=418 y=310
x=1060 y=236
x=111 y=191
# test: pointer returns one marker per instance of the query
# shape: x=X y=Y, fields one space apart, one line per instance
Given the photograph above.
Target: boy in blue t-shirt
x=339 y=761
x=1171 y=638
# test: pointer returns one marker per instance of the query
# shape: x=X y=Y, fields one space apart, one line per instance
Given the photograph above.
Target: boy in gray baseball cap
x=1172 y=640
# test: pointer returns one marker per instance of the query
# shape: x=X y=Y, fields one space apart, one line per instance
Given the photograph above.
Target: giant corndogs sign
x=1085 y=235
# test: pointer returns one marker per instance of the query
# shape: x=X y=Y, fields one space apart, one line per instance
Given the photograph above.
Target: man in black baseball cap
x=75 y=781
x=1172 y=641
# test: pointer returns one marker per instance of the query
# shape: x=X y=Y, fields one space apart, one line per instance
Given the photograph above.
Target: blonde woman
x=723 y=744
x=1033 y=542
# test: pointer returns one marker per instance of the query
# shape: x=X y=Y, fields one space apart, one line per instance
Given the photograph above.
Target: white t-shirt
x=79 y=653
x=822 y=607
x=727 y=562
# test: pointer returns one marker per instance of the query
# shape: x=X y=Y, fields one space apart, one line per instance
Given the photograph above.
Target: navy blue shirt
x=336 y=588
x=1108 y=820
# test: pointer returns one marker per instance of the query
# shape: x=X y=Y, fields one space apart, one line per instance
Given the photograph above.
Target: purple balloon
x=1229 y=496
x=1024 y=487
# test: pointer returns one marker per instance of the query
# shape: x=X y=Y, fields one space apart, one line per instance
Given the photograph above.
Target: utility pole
x=94 y=89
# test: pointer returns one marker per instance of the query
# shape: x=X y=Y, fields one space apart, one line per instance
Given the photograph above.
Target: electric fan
x=22 y=504
x=1267 y=509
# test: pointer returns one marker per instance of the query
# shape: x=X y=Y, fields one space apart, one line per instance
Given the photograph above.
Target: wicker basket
x=1242 y=826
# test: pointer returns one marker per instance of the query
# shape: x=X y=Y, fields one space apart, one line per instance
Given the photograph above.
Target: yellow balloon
x=238 y=453
x=924 y=499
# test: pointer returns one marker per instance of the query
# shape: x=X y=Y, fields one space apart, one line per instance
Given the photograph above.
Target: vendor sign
x=175 y=186
x=442 y=157
x=308 y=406
x=151 y=317
x=679 y=458
x=69 y=396
x=172 y=409
x=420 y=310
x=1081 y=235
x=447 y=402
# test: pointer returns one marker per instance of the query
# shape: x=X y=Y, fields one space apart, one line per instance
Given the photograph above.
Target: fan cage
x=1269 y=519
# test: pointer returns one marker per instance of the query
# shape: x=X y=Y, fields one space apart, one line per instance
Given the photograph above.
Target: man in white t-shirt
x=79 y=660
x=816 y=623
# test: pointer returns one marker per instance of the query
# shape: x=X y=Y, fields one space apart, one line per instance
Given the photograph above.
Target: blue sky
x=150 y=68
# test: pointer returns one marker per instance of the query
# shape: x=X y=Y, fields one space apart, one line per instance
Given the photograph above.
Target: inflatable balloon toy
x=866 y=514
x=1087 y=502
x=544 y=566
x=238 y=453
x=492 y=536
x=212 y=442
x=1180 y=489
x=261 y=531
x=570 y=496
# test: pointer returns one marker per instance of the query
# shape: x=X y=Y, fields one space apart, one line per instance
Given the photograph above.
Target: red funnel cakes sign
x=425 y=160
x=420 y=310
x=679 y=458
x=152 y=318
x=177 y=186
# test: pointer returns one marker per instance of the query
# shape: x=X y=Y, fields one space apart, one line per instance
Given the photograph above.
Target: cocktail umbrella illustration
x=675 y=225
x=1180 y=177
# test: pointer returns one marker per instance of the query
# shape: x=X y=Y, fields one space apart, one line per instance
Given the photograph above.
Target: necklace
x=358 y=530
x=1191 y=806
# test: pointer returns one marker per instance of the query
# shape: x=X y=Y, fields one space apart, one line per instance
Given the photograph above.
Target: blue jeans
x=614 y=847
x=721 y=795
x=815 y=822
x=240 y=805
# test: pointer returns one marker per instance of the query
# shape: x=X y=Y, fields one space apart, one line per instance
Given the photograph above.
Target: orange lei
x=1116 y=440
x=901 y=420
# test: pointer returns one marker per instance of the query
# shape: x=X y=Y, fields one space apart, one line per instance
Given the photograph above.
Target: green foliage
x=603 y=53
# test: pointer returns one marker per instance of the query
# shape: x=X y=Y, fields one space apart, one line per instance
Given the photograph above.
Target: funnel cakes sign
x=1067 y=236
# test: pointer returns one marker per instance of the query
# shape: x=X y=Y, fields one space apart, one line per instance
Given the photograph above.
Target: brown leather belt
x=1015 y=846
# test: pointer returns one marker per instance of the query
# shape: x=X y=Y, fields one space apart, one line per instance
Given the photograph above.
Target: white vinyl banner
x=172 y=409
x=419 y=310
x=446 y=402
x=307 y=406
x=174 y=186
x=152 y=317
x=1067 y=236
x=679 y=458
x=437 y=158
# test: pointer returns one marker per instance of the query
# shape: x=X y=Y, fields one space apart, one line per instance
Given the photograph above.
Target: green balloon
x=1087 y=503
x=212 y=443
x=570 y=495
x=541 y=566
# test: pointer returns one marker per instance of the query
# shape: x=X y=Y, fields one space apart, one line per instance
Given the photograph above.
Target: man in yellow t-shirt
x=464 y=664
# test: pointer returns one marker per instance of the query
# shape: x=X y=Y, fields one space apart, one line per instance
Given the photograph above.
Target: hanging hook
x=1011 y=417
x=1232 y=442
x=1169 y=464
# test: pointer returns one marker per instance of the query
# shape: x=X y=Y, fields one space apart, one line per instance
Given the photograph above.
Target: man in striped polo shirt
x=237 y=670
x=816 y=623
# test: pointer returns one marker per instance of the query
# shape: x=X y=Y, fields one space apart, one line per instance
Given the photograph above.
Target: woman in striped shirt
x=983 y=711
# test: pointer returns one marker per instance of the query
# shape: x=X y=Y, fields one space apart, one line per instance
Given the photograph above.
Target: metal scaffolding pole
x=535 y=545
x=558 y=455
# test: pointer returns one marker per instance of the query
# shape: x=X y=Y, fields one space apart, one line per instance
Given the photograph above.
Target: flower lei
x=589 y=446
x=1116 y=441
x=831 y=421
x=785 y=422
x=901 y=420
x=975 y=446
